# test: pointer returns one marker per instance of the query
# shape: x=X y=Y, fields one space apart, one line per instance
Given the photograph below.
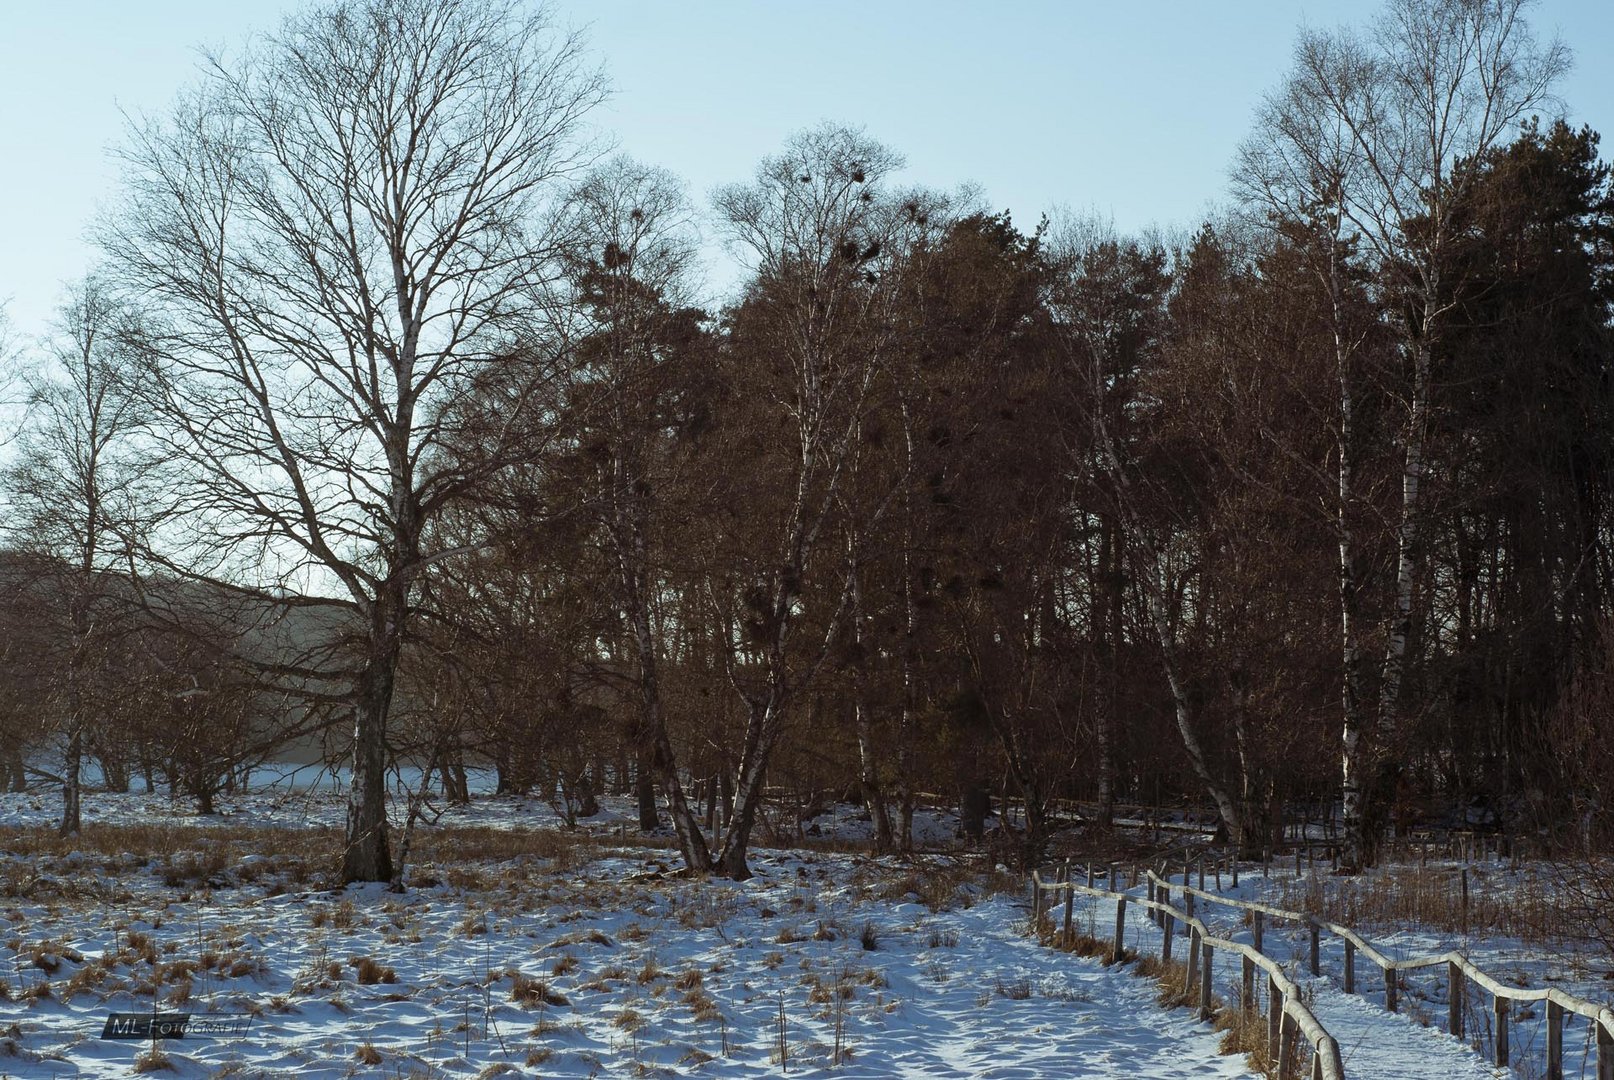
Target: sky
x=1130 y=110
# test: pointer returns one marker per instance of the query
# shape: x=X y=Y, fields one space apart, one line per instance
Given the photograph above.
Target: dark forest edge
x=393 y=427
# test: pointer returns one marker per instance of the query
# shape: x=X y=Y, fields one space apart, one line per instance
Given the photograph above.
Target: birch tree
x=1364 y=140
x=81 y=480
x=333 y=235
x=821 y=236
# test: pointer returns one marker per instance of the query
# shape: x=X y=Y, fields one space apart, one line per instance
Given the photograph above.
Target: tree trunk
x=644 y=790
x=72 y=783
x=868 y=764
x=759 y=736
x=367 y=855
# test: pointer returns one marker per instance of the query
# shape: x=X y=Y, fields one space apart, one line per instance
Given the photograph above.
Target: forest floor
x=524 y=949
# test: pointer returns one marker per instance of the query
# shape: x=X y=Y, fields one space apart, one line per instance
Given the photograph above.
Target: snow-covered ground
x=1499 y=894
x=588 y=956
x=594 y=960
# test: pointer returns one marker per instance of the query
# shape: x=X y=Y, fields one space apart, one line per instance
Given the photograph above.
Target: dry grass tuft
x=369 y=972
x=153 y=1060
x=526 y=990
x=1244 y=1031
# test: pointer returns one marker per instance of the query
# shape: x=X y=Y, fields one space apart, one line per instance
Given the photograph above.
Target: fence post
x=1202 y=871
x=1255 y=929
x=1247 y=985
x=1036 y=910
x=1165 y=938
x=1350 y=967
x=1206 y=954
x=1316 y=967
x=1286 y=1046
x=1605 y=1051
x=1187 y=901
x=1389 y=988
x=1120 y=927
x=1190 y=985
x=1112 y=877
x=1089 y=875
x=1454 y=999
x=1555 y=1040
x=1274 y=1015
x=1500 y=1005
x=1070 y=910
x=1235 y=868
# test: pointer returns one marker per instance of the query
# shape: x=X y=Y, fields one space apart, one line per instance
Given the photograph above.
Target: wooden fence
x=1283 y=1003
x=1461 y=974
x=1287 y=1015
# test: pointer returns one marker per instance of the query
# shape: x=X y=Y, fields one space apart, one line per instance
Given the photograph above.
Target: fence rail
x=1461 y=973
x=1287 y=1014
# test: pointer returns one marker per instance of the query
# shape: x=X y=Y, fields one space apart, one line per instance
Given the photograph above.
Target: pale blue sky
x=1132 y=109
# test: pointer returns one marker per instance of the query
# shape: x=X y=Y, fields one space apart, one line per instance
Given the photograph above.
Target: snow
x=647 y=972
x=1413 y=1042
x=654 y=974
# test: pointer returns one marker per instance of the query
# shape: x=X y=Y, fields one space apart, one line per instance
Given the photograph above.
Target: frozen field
x=541 y=955
x=526 y=950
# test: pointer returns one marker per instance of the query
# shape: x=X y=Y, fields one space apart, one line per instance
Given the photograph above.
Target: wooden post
x=1297 y=862
x=1454 y=999
x=1036 y=914
x=1218 y=868
x=1206 y=954
x=1190 y=986
x=1202 y=871
x=1235 y=869
x=1274 y=1015
x=1070 y=906
x=1187 y=901
x=1465 y=903
x=1389 y=988
x=1605 y=1051
x=1089 y=875
x=1120 y=927
x=1247 y=985
x=1350 y=967
x=1500 y=1005
x=1286 y=1046
x=1555 y=1040
x=1112 y=877
x=1165 y=940
x=1316 y=966
x=1256 y=921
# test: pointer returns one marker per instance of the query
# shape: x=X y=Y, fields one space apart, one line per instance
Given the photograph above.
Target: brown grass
x=153 y=1060
x=369 y=972
x=1244 y=1031
x=1430 y=898
x=526 y=990
x=367 y=1054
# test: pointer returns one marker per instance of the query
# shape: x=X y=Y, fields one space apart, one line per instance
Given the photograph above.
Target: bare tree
x=635 y=247
x=1364 y=142
x=332 y=235
x=81 y=481
x=823 y=240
